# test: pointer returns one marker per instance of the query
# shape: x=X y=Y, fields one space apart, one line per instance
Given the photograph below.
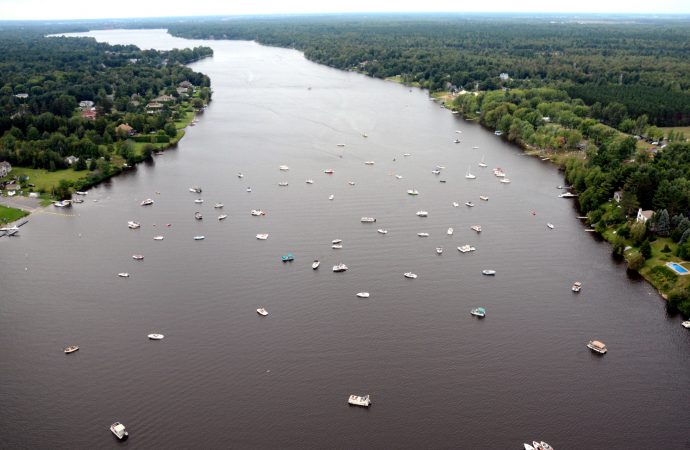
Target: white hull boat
x=339 y=268
x=315 y=264
x=550 y=225
x=686 y=324
x=367 y=220
x=410 y=275
x=331 y=197
x=488 y=272
x=439 y=250
x=258 y=212
x=262 y=236
x=133 y=225
x=138 y=257
x=147 y=202
x=199 y=238
x=218 y=205
x=382 y=231
x=262 y=312
x=422 y=214
x=450 y=231
x=119 y=431
x=222 y=217
x=155 y=336
x=363 y=294
x=423 y=234
x=158 y=238
x=358 y=400
x=123 y=275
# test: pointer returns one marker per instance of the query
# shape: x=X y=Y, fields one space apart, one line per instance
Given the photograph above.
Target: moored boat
x=315 y=264
x=363 y=294
x=222 y=217
x=195 y=189
x=133 y=225
x=456 y=204
x=283 y=183
x=439 y=250
x=257 y=212
x=70 y=349
x=413 y=192
x=138 y=257
x=337 y=241
x=337 y=246
x=147 y=202
x=686 y=324
x=309 y=181
x=450 y=231
x=477 y=228
x=382 y=231
x=199 y=201
x=367 y=220
x=410 y=275
x=470 y=204
x=331 y=197
x=422 y=213
x=262 y=236
x=262 y=311
x=478 y=312
x=505 y=180
x=284 y=168
x=288 y=257
x=359 y=400
x=158 y=238
x=199 y=238
x=369 y=163
x=422 y=234
x=488 y=272
x=328 y=171
x=550 y=225
x=484 y=197
x=119 y=431
x=340 y=267
x=576 y=286
x=597 y=346
x=123 y=275
x=155 y=336
x=198 y=215
x=218 y=205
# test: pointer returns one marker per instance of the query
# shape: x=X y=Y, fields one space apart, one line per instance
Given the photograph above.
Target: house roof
x=647 y=214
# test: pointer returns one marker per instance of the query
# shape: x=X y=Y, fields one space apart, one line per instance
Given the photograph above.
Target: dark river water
x=224 y=377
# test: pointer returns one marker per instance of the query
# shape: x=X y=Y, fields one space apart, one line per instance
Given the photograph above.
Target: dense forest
x=642 y=65
x=64 y=97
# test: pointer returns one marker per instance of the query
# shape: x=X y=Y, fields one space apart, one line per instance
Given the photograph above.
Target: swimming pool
x=680 y=270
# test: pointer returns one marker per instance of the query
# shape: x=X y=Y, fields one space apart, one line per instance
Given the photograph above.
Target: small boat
x=481 y=163
x=358 y=400
x=367 y=220
x=198 y=216
x=138 y=257
x=442 y=181
x=499 y=172
x=240 y=175
x=498 y=133
x=597 y=346
x=382 y=231
x=369 y=163
x=337 y=241
x=450 y=231
x=119 y=431
x=262 y=311
x=479 y=312
x=123 y=275
x=422 y=213
x=340 y=145
x=436 y=172
x=195 y=189
x=474 y=147
x=331 y=197
x=410 y=275
x=258 y=212
x=337 y=246
x=315 y=264
x=456 y=141
x=328 y=171
x=262 y=236
x=528 y=447
x=477 y=228
x=147 y=202
x=199 y=238
x=686 y=324
x=505 y=180
x=550 y=225
x=440 y=167
x=466 y=248
x=456 y=204
x=76 y=200
x=407 y=154
x=351 y=183
x=70 y=349
x=288 y=257
x=439 y=250
x=80 y=192
x=489 y=272
x=249 y=189
x=133 y=225
x=155 y=336
x=470 y=204
x=576 y=286
x=399 y=177
x=218 y=205
x=365 y=135
x=363 y=294
x=222 y=217
x=283 y=183
x=484 y=197
x=340 y=267
x=310 y=181
x=423 y=234
x=469 y=175
x=567 y=195
x=541 y=445
x=284 y=168
x=158 y=238
x=412 y=192
x=199 y=200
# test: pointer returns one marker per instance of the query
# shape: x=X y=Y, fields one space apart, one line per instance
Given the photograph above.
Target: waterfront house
x=71 y=159
x=618 y=196
x=644 y=216
x=89 y=114
x=154 y=107
x=164 y=99
x=5 y=168
x=86 y=105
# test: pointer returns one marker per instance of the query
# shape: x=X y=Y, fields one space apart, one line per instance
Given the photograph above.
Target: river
x=224 y=377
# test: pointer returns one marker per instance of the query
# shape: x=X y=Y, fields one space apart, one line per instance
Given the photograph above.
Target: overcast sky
x=99 y=9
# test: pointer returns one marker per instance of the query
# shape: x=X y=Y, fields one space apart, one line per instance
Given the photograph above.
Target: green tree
x=646 y=249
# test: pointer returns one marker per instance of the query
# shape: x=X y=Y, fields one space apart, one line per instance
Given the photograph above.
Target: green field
x=8 y=215
x=45 y=180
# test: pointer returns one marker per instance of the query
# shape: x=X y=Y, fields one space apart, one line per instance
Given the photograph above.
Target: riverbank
x=9 y=214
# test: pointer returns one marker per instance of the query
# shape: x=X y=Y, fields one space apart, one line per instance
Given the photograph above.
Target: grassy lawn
x=684 y=130
x=8 y=215
x=45 y=180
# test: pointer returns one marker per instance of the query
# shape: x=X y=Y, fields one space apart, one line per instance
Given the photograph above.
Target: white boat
x=410 y=275
x=498 y=133
x=199 y=200
x=198 y=215
x=597 y=346
x=488 y=272
x=218 y=205
x=76 y=200
x=470 y=204
x=262 y=311
x=158 y=238
x=119 y=431
x=199 y=238
x=422 y=213
x=359 y=400
x=686 y=324
x=80 y=192
x=456 y=204
x=222 y=217
x=407 y=154
x=340 y=145
x=505 y=180
x=331 y=197
x=309 y=181
x=284 y=168
x=155 y=336
x=351 y=183
x=550 y=225
x=363 y=294
x=62 y=204
x=262 y=236
x=133 y=225
x=283 y=183
x=337 y=246
x=528 y=447
x=369 y=163
x=337 y=241
x=382 y=231
x=147 y=202
x=340 y=267
x=423 y=234
x=499 y=172
x=567 y=195
x=484 y=197
x=412 y=192
x=469 y=175
x=576 y=286
x=258 y=212
x=367 y=220
x=123 y=275
x=195 y=189
x=436 y=172
x=439 y=250
x=328 y=171
x=541 y=445
x=450 y=231
x=466 y=248
x=456 y=141
x=138 y=257
x=240 y=175
x=11 y=193
x=249 y=189
x=475 y=147
x=315 y=264
x=399 y=177
x=70 y=349
x=478 y=312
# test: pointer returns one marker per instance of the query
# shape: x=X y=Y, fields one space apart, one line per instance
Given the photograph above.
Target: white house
x=5 y=168
x=618 y=196
x=71 y=159
x=644 y=216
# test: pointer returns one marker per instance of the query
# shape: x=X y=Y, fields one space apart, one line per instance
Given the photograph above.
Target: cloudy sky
x=98 y=9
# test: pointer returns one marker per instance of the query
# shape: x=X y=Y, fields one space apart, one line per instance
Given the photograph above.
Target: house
x=618 y=196
x=22 y=96
x=71 y=159
x=89 y=114
x=154 y=107
x=182 y=91
x=124 y=130
x=504 y=77
x=164 y=99
x=644 y=216
x=5 y=168
x=86 y=105
x=186 y=84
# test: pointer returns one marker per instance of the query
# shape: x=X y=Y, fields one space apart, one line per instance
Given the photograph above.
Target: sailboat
x=482 y=163
x=469 y=175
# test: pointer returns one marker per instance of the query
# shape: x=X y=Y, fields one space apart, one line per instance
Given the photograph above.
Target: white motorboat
x=505 y=180
x=257 y=212
x=80 y=192
x=328 y=171
x=456 y=204
x=133 y=225
x=62 y=204
x=119 y=431
x=567 y=195
x=123 y=275
x=439 y=250
x=475 y=147
x=283 y=183
x=410 y=275
x=138 y=257
x=363 y=294
x=482 y=164
x=478 y=312
x=359 y=400
x=198 y=215
x=155 y=336
x=436 y=172
x=466 y=248
x=369 y=163
x=407 y=154
x=315 y=264
x=498 y=133
x=337 y=241
x=351 y=183
x=195 y=189
x=423 y=234
x=262 y=236
x=399 y=177
x=382 y=231
x=331 y=197
x=199 y=238
x=240 y=175
x=284 y=168
x=477 y=228
x=576 y=286
x=528 y=447
x=450 y=231
x=147 y=202
x=413 y=192
x=340 y=267
x=469 y=175
x=158 y=238
x=309 y=181
x=484 y=197
x=597 y=346
x=337 y=246
x=367 y=220
x=340 y=145
x=70 y=349
x=262 y=311
x=222 y=217
x=422 y=213
x=249 y=189
x=550 y=225
x=499 y=172
x=470 y=204
x=218 y=205
x=199 y=200
x=686 y=323
x=488 y=272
